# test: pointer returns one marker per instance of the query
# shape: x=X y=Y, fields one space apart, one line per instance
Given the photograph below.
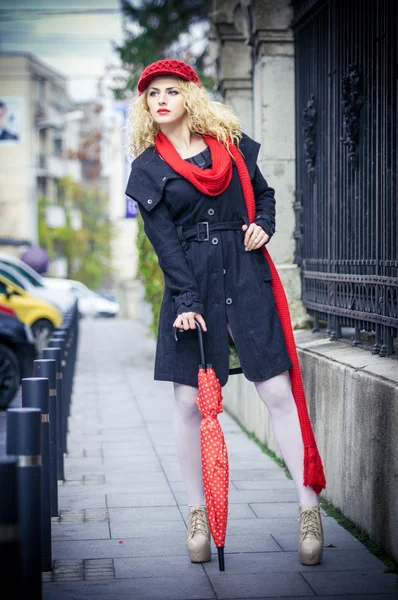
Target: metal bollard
x=64 y=339
x=46 y=367
x=55 y=354
x=35 y=394
x=10 y=570
x=24 y=444
x=61 y=343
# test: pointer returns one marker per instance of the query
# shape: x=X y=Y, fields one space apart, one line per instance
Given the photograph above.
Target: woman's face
x=165 y=101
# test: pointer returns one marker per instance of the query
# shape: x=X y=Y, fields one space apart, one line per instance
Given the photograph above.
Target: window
x=28 y=276
x=15 y=280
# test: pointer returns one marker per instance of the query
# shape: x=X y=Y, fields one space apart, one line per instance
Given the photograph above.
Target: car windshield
x=12 y=278
x=28 y=276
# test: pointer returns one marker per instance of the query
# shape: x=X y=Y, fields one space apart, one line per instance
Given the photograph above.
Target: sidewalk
x=122 y=526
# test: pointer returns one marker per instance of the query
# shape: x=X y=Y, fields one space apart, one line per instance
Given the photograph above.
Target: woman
x=194 y=176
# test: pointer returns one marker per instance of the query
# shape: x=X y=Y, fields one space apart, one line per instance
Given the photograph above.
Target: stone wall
x=352 y=399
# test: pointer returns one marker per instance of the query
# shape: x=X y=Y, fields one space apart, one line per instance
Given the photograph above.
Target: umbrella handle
x=200 y=339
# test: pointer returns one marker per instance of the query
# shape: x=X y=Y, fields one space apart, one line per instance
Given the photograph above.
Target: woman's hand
x=186 y=321
x=255 y=236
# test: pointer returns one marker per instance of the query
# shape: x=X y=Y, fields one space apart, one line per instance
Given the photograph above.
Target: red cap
x=167 y=67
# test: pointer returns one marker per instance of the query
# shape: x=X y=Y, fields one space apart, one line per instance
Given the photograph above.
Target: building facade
x=315 y=82
x=35 y=102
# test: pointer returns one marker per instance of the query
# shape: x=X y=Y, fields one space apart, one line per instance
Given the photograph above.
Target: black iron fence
x=346 y=147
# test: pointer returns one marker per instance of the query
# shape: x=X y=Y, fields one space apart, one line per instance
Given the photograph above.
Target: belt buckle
x=206 y=224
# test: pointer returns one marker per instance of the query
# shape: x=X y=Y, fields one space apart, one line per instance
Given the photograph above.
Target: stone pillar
x=234 y=60
x=255 y=69
x=274 y=116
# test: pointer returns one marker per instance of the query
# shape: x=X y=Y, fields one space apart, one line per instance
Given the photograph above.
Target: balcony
x=50 y=165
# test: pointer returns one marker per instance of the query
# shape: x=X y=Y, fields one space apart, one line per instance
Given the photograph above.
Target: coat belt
x=200 y=232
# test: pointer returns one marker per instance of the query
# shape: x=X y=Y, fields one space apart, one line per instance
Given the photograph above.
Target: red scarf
x=213 y=182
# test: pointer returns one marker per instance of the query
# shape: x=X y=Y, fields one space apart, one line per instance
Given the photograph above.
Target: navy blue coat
x=217 y=277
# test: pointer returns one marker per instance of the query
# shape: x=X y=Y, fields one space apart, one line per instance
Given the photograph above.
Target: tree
x=86 y=249
x=156 y=29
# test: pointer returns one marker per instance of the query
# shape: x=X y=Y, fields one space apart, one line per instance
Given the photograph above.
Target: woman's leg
x=276 y=393
x=187 y=418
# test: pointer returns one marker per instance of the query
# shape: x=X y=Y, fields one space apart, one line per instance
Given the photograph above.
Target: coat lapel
x=148 y=177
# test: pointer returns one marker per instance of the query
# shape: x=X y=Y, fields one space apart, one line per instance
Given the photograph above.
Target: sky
x=78 y=46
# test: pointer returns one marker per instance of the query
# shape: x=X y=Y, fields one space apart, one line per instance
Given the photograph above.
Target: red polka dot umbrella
x=215 y=467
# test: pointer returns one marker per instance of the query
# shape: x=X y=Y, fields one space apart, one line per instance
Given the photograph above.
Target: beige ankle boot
x=198 y=541
x=310 y=545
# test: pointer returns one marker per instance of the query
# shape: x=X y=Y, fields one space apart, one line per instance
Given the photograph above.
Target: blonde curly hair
x=205 y=117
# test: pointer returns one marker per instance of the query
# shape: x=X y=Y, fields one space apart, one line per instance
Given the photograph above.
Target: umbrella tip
x=221 y=558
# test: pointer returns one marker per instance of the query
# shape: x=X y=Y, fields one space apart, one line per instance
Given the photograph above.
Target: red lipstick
x=163 y=111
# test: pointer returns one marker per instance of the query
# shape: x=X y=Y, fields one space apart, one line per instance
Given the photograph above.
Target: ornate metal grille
x=346 y=182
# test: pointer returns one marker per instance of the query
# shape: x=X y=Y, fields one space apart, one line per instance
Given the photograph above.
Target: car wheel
x=9 y=375
x=42 y=330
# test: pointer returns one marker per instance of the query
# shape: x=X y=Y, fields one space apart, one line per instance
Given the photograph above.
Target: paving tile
x=129 y=529
x=269 y=562
x=352 y=582
x=250 y=542
x=283 y=525
x=159 y=566
x=81 y=500
x=258 y=585
x=267 y=510
x=115 y=467
x=136 y=478
x=115 y=434
x=256 y=474
x=274 y=484
x=140 y=499
x=127 y=449
x=83 y=531
x=253 y=497
x=145 y=513
x=137 y=485
x=337 y=537
x=122 y=547
x=196 y=587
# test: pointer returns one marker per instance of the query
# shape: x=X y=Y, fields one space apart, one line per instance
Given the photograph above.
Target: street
x=121 y=528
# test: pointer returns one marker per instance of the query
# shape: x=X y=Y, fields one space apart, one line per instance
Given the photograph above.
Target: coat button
x=214 y=241
x=228 y=301
x=210 y=212
x=149 y=201
x=224 y=271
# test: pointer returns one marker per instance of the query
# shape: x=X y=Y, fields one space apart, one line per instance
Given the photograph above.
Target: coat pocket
x=262 y=266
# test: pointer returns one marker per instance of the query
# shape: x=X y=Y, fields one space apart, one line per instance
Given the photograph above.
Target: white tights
x=276 y=393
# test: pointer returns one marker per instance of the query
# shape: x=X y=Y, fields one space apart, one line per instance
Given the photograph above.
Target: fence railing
x=346 y=178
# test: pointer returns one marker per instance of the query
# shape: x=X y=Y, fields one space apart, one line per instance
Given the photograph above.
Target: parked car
x=90 y=303
x=38 y=314
x=65 y=299
x=17 y=353
x=20 y=279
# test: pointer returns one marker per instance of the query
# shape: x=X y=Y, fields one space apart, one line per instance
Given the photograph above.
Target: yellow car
x=40 y=315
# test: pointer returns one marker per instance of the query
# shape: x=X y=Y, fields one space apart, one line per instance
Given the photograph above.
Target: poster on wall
x=131 y=208
x=11 y=115
x=131 y=205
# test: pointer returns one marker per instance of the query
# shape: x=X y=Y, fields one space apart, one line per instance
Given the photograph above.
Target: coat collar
x=150 y=173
